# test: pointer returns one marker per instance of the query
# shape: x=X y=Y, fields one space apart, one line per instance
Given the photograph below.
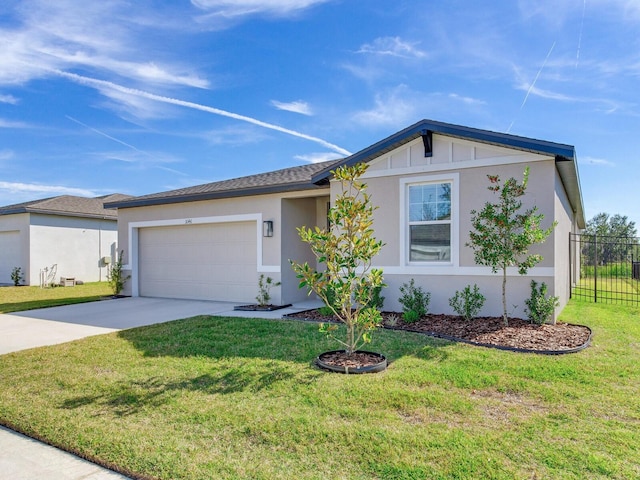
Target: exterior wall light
x=267 y=228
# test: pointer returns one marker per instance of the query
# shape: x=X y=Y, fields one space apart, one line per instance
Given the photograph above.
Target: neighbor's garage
x=203 y=262
x=9 y=255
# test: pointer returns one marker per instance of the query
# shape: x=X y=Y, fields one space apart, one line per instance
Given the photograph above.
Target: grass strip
x=231 y=398
x=17 y=299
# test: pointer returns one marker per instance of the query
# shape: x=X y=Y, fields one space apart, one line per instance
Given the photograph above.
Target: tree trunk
x=504 y=297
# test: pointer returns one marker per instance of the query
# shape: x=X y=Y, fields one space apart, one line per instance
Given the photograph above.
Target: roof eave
x=570 y=177
x=196 y=197
x=60 y=213
x=484 y=136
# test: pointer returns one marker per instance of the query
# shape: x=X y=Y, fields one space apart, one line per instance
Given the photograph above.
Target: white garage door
x=9 y=255
x=203 y=262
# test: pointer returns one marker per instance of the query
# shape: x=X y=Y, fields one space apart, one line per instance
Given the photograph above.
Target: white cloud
x=467 y=100
x=392 y=46
x=392 y=108
x=9 y=99
x=137 y=158
x=318 y=157
x=241 y=8
x=11 y=124
x=599 y=162
x=34 y=188
x=6 y=155
x=103 y=36
x=105 y=85
x=234 y=135
x=298 y=106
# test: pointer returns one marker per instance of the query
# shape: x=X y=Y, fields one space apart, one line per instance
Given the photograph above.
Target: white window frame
x=405 y=183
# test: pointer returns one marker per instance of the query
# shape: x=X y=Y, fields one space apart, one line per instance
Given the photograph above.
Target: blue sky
x=145 y=96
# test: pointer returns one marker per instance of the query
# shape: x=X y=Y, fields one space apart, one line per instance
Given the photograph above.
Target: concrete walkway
x=25 y=458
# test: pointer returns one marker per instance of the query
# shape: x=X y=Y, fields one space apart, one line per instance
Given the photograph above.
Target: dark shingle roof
x=287 y=179
x=68 y=205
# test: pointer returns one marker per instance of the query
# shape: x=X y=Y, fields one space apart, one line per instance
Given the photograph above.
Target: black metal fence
x=605 y=269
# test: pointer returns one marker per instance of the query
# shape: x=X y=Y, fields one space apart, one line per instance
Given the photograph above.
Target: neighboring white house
x=211 y=241
x=75 y=235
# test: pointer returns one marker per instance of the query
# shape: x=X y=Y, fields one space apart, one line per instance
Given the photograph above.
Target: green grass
x=16 y=299
x=609 y=289
x=233 y=398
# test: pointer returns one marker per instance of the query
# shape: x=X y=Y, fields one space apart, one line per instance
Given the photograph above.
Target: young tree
x=501 y=235
x=348 y=283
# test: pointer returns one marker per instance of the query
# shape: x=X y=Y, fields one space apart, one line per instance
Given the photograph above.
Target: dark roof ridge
x=285 y=179
x=67 y=205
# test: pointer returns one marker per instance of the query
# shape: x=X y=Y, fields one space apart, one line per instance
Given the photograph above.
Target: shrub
x=540 y=307
x=16 y=276
x=264 y=288
x=411 y=316
x=467 y=303
x=413 y=299
x=114 y=276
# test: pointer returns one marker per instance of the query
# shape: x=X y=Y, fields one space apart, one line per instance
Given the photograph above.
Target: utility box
x=67 y=281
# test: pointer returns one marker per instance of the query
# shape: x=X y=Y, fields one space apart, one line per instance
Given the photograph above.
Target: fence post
x=595 y=269
x=571 y=260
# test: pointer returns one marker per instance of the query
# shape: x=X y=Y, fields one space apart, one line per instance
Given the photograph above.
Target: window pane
x=415 y=194
x=430 y=243
x=415 y=212
x=430 y=202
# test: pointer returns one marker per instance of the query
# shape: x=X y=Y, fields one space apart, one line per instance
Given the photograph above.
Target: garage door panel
x=210 y=262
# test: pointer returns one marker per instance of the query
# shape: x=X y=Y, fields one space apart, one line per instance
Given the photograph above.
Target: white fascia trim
x=135 y=226
x=454 y=178
x=463 y=271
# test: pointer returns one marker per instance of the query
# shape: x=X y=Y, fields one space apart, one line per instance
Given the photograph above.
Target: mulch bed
x=259 y=308
x=520 y=335
x=355 y=360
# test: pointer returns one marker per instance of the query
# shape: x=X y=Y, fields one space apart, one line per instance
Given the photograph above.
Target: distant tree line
x=614 y=239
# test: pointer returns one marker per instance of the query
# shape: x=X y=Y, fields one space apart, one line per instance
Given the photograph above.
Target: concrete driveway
x=50 y=326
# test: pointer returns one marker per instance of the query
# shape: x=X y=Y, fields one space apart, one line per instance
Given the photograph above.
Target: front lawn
x=17 y=299
x=232 y=398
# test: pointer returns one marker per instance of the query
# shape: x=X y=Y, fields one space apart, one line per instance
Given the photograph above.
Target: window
x=429 y=222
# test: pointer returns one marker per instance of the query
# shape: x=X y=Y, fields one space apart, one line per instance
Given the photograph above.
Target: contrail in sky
x=584 y=8
x=108 y=136
x=174 y=101
x=533 y=84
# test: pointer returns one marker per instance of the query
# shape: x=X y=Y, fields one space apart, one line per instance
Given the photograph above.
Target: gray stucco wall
x=389 y=176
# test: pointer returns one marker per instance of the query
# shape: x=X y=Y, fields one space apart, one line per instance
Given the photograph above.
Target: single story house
x=213 y=241
x=73 y=237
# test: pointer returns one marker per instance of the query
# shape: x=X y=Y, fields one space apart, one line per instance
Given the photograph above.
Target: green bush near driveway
x=231 y=398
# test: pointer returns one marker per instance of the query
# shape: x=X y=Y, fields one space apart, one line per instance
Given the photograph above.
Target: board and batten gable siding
x=467 y=165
